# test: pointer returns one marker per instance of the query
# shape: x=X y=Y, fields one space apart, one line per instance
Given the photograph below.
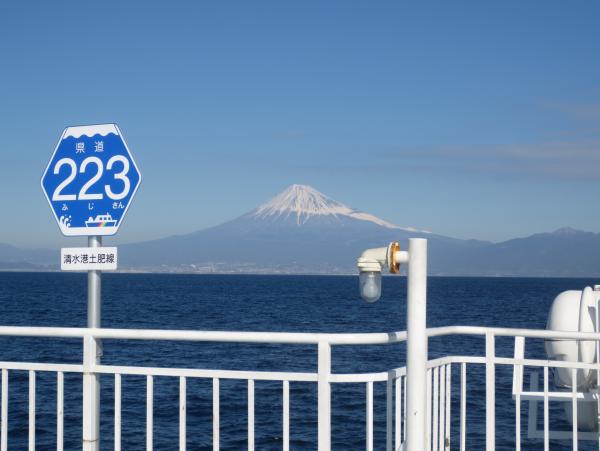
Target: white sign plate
x=88 y=258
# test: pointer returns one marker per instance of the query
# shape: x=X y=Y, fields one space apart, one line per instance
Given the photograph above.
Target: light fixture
x=370 y=264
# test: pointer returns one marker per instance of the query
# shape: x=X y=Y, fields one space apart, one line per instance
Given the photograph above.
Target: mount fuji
x=302 y=203
x=301 y=230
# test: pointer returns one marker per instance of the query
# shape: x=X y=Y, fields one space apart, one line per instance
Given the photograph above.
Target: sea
x=260 y=303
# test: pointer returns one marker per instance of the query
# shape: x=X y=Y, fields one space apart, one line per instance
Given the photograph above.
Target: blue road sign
x=90 y=180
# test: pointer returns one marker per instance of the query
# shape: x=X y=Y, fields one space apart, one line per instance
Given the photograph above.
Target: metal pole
x=416 y=346
x=94 y=289
x=490 y=393
x=92 y=354
x=324 y=396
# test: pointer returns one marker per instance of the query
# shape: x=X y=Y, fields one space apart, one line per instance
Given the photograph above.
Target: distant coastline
x=303 y=231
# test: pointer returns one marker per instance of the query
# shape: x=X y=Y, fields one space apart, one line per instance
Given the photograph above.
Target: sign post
x=92 y=353
x=90 y=182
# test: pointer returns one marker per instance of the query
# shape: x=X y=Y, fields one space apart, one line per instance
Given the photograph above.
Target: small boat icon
x=101 y=221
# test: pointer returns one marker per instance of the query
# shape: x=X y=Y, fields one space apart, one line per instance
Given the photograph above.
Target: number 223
x=83 y=192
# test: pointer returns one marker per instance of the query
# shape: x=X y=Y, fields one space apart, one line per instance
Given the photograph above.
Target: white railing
x=90 y=368
x=419 y=396
x=440 y=384
x=518 y=363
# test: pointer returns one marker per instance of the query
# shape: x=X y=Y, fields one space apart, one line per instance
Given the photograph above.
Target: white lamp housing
x=370 y=264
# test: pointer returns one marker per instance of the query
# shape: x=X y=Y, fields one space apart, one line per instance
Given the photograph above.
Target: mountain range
x=304 y=231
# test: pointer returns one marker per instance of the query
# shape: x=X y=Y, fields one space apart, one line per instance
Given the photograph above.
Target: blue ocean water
x=258 y=303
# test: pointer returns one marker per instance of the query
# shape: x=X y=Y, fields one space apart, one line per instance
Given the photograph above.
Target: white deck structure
x=413 y=422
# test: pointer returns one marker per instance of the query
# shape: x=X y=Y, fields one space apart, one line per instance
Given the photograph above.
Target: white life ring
x=573 y=311
x=587 y=319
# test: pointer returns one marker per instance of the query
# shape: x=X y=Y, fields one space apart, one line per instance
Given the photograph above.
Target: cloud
x=579 y=111
x=553 y=159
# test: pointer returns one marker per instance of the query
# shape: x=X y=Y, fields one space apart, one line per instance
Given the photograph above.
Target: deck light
x=370 y=265
x=370 y=285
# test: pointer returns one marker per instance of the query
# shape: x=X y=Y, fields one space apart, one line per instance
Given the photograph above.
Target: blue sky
x=469 y=119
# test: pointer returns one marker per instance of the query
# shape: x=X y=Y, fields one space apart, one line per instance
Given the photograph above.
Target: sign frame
x=89 y=131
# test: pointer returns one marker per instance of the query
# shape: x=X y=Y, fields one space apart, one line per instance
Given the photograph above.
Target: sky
x=469 y=119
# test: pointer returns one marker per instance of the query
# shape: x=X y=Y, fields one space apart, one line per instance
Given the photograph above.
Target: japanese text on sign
x=88 y=259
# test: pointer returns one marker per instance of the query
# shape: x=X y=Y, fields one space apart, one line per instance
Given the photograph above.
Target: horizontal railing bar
x=33 y=366
x=358 y=378
x=509 y=332
x=194 y=335
x=201 y=373
x=545 y=363
x=283 y=337
x=447 y=360
x=227 y=374
x=512 y=361
x=556 y=396
x=399 y=372
x=230 y=374
x=273 y=376
x=248 y=337
x=281 y=376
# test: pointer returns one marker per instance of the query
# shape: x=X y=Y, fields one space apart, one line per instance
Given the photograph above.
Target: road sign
x=88 y=258
x=90 y=180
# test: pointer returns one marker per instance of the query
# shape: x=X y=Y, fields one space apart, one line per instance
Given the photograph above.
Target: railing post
x=91 y=396
x=92 y=353
x=490 y=392
x=416 y=346
x=324 y=396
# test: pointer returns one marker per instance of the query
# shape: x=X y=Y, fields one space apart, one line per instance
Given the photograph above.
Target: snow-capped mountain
x=303 y=202
x=298 y=230
x=304 y=231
